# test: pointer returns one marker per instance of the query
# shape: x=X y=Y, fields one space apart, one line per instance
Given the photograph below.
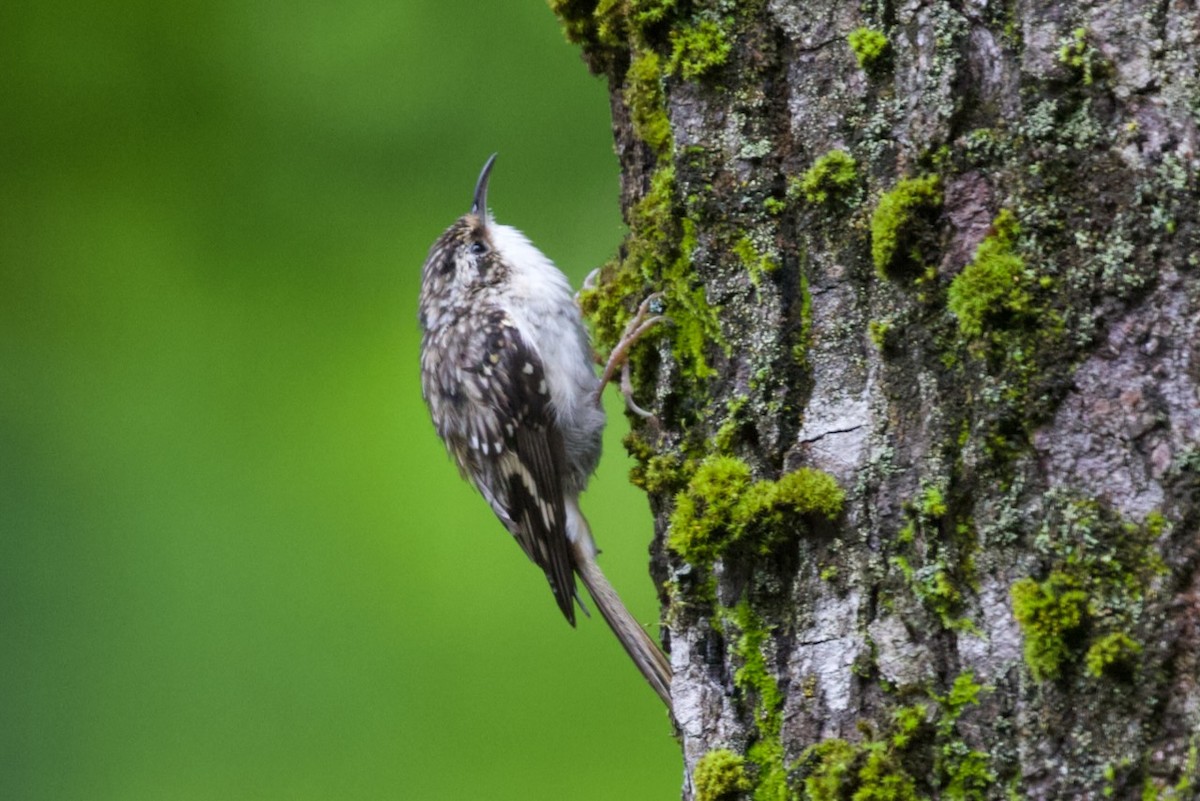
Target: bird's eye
x=478 y=248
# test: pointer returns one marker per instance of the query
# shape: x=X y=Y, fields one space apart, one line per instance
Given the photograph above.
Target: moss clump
x=936 y=566
x=878 y=330
x=720 y=774
x=963 y=693
x=643 y=95
x=694 y=322
x=891 y=766
x=1155 y=524
x=606 y=28
x=608 y=31
x=830 y=176
x=576 y=16
x=992 y=286
x=657 y=254
x=933 y=504
x=704 y=512
x=803 y=491
x=894 y=224
x=968 y=773
x=756 y=264
x=698 y=49
x=754 y=679
x=1114 y=651
x=869 y=47
x=659 y=473
x=965 y=774
x=934 y=587
x=722 y=441
x=722 y=504
x=1083 y=617
x=872 y=771
x=1077 y=55
x=649 y=12
x=1049 y=613
x=835 y=764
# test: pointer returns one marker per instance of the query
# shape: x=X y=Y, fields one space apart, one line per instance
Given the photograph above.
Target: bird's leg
x=642 y=322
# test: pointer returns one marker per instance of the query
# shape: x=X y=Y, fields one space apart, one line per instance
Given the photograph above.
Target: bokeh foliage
x=235 y=561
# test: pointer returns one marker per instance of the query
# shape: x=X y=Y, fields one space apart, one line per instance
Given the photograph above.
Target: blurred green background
x=235 y=561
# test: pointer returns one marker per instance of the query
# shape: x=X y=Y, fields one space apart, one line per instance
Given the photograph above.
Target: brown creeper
x=506 y=368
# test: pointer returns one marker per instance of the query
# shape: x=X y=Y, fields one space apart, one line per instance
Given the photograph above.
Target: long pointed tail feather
x=644 y=651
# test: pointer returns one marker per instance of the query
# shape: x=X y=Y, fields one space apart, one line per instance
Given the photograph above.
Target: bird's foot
x=643 y=320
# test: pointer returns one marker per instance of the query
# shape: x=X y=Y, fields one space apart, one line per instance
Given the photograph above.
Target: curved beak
x=479 y=204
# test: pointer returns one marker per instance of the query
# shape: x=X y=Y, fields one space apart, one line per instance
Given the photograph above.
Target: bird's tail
x=642 y=649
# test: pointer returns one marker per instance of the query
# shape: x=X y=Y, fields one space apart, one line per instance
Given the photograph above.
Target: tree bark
x=924 y=457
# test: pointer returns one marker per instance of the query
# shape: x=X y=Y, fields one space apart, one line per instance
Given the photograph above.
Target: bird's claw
x=647 y=316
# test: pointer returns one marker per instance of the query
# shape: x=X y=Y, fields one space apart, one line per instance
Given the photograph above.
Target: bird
x=507 y=371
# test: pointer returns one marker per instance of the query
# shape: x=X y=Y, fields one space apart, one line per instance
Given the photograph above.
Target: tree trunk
x=924 y=456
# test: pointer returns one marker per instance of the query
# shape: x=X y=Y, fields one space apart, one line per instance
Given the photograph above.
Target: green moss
x=936 y=568
x=835 y=763
x=643 y=95
x=805 y=491
x=698 y=49
x=1086 y=611
x=831 y=176
x=1156 y=788
x=757 y=264
x=965 y=774
x=609 y=17
x=878 y=330
x=963 y=693
x=754 y=679
x=932 y=502
x=883 y=779
x=606 y=28
x=869 y=47
x=968 y=773
x=804 y=336
x=935 y=587
x=645 y=13
x=1077 y=55
x=576 y=18
x=720 y=774
x=722 y=504
x=895 y=766
x=894 y=222
x=908 y=720
x=660 y=473
x=810 y=491
x=1190 y=772
x=657 y=254
x=992 y=287
x=701 y=525
x=1049 y=612
x=722 y=441
x=1155 y=524
x=774 y=206
x=868 y=772
x=693 y=320
x=623 y=40
x=1113 y=651
x=653 y=239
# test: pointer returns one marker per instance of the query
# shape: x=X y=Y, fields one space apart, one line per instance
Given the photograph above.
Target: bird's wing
x=511 y=448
